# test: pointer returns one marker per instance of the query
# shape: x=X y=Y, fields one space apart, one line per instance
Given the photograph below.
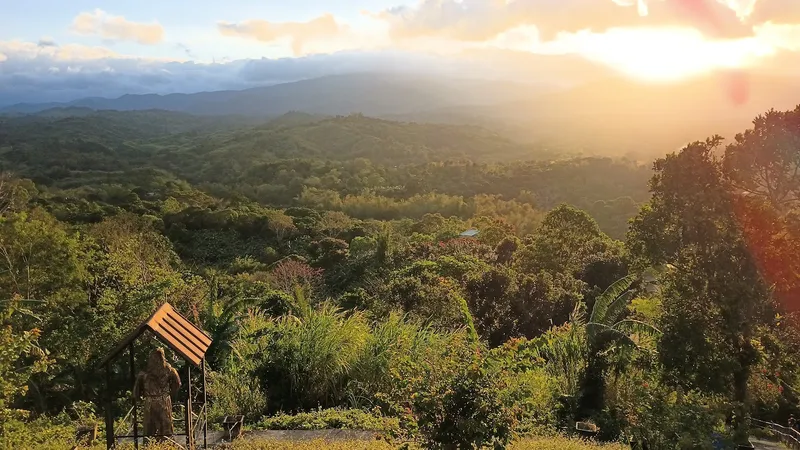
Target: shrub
x=236 y=392
x=44 y=433
x=666 y=418
x=469 y=411
x=531 y=389
x=321 y=419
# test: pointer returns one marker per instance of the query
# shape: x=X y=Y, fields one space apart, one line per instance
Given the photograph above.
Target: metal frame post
x=188 y=422
x=205 y=405
x=133 y=394
x=109 y=414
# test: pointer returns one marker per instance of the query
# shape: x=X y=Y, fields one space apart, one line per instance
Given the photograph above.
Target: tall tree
x=764 y=161
x=715 y=298
x=763 y=168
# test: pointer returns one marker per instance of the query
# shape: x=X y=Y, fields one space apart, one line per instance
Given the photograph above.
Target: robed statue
x=157 y=384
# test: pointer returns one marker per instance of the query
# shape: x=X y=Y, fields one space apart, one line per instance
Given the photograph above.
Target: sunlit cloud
x=777 y=10
x=23 y=50
x=780 y=35
x=664 y=54
x=299 y=34
x=650 y=39
x=647 y=39
x=480 y=20
x=523 y=38
x=31 y=73
x=742 y=8
x=100 y=23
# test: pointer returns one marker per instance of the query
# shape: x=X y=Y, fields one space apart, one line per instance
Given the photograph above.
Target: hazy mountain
x=613 y=115
x=622 y=116
x=367 y=93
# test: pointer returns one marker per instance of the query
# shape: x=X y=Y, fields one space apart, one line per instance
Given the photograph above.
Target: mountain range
x=610 y=116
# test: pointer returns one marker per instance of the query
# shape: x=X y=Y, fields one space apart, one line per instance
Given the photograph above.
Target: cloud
x=185 y=48
x=22 y=50
x=47 y=42
x=780 y=35
x=480 y=20
x=300 y=34
x=117 y=28
x=665 y=53
x=30 y=73
x=787 y=11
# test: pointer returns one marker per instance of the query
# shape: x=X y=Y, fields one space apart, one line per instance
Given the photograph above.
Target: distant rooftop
x=470 y=233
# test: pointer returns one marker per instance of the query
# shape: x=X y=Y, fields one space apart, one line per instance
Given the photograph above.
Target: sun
x=665 y=54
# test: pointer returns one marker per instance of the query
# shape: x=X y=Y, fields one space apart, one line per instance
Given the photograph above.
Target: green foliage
x=304 y=362
x=20 y=356
x=324 y=258
x=326 y=419
x=564 y=353
x=236 y=392
x=564 y=243
x=664 y=417
x=469 y=411
x=44 y=433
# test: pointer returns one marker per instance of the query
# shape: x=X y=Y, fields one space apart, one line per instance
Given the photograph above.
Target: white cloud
x=32 y=73
x=3 y=57
x=99 y=22
x=299 y=34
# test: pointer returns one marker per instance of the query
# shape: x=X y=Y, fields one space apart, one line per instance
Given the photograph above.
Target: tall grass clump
x=303 y=361
x=393 y=343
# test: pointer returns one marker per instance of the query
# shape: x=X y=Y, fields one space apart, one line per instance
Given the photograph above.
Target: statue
x=157 y=383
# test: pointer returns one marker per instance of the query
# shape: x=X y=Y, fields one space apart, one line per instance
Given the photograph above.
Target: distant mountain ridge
x=367 y=93
x=609 y=116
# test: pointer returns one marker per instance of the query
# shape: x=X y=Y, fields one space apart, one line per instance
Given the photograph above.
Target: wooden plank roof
x=174 y=330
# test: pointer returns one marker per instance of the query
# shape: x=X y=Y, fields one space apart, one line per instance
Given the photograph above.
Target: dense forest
x=325 y=257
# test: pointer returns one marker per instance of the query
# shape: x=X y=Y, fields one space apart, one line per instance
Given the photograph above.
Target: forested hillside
x=367 y=168
x=324 y=257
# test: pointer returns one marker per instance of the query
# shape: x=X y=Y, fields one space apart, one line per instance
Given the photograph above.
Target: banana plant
x=608 y=331
x=608 y=322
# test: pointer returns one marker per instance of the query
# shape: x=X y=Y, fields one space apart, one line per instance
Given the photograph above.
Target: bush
x=44 y=433
x=235 y=392
x=340 y=419
x=470 y=411
x=532 y=390
x=646 y=408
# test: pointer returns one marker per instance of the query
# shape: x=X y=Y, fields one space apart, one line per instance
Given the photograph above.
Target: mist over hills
x=612 y=115
x=367 y=93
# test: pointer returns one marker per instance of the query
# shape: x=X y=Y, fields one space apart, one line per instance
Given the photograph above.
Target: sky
x=56 y=50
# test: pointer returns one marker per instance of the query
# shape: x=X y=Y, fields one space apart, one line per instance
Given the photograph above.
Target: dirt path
x=760 y=444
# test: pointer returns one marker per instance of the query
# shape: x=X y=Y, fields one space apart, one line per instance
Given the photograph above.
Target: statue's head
x=156 y=361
